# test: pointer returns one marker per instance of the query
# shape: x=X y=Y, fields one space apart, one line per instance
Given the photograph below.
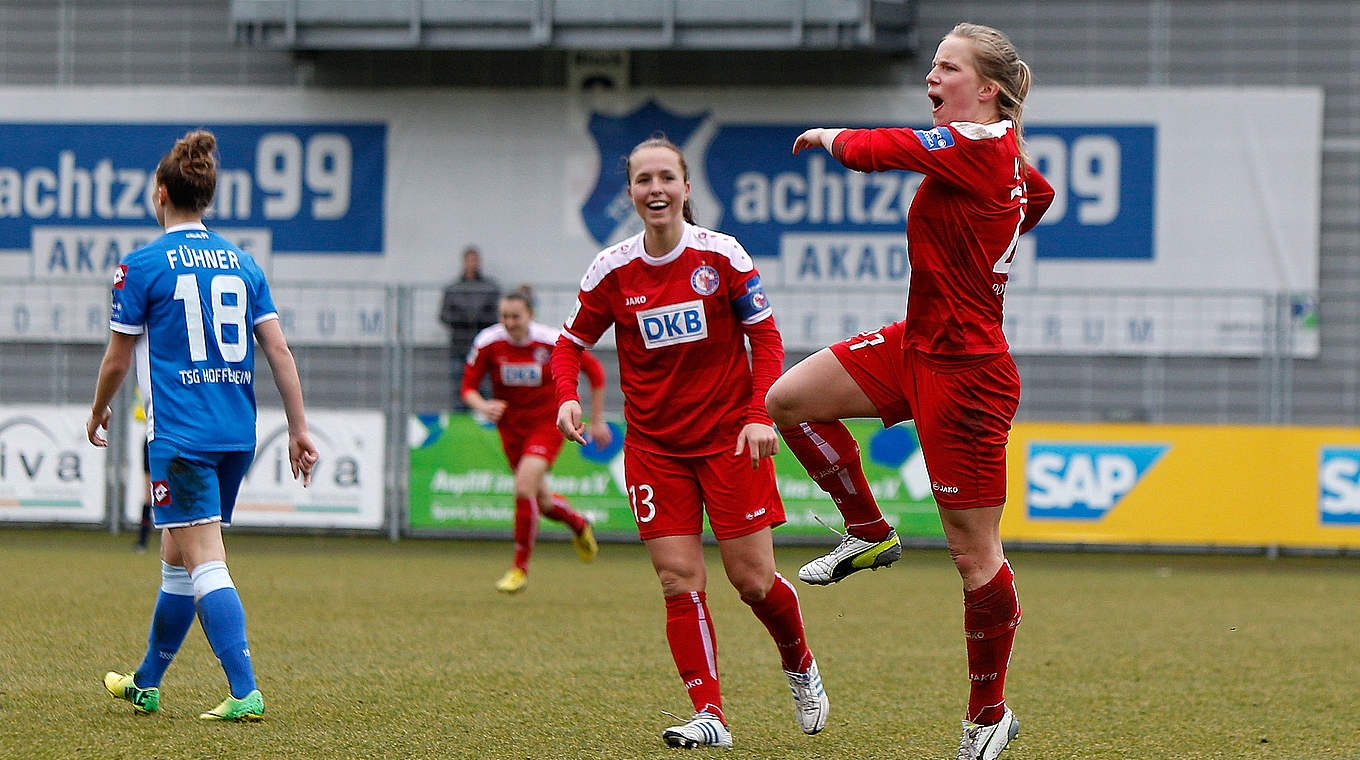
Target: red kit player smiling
x=947 y=365
x=683 y=300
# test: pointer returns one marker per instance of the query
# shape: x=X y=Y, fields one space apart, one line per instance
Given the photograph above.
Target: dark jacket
x=469 y=306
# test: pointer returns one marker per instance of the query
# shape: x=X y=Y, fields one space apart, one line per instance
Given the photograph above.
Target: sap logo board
x=1339 y=486
x=1073 y=481
x=676 y=323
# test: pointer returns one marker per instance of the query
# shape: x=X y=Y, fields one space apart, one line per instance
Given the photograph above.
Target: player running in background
x=186 y=306
x=683 y=300
x=947 y=365
x=516 y=354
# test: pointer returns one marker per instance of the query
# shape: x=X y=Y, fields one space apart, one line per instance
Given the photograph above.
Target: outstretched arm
x=824 y=137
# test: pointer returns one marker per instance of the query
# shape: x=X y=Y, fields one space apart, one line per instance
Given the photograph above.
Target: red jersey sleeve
x=566 y=368
x=592 y=314
x=479 y=361
x=767 y=363
x=1040 y=195
x=594 y=370
x=940 y=152
x=756 y=318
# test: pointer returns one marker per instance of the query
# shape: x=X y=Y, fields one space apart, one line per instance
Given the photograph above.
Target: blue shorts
x=190 y=487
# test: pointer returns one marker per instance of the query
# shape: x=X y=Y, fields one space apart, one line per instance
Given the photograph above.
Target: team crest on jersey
x=160 y=493
x=119 y=276
x=934 y=139
x=704 y=280
x=542 y=354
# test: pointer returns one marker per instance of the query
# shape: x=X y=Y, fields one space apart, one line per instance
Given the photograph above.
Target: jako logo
x=676 y=323
x=1072 y=481
x=1339 y=486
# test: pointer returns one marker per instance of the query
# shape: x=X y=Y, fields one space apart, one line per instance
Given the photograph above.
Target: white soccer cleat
x=703 y=730
x=810 y=704
x=986 y=742
x=850 y=556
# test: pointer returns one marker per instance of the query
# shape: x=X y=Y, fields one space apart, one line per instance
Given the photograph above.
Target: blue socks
x=171 y=620
x=224 y=623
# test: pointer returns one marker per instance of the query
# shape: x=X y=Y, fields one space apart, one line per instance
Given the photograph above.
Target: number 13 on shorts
x=640 y=499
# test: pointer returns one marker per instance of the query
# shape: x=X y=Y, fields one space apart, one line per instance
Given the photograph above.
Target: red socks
x=526 y=529
x=831 y=456
x=990 y=614
x=561 y=511
x=782 y=618
x=689 y=630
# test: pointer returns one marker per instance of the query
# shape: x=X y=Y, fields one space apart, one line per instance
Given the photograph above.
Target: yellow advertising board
x=1184 y=484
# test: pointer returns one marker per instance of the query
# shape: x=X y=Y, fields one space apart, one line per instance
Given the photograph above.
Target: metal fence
x=382 y=348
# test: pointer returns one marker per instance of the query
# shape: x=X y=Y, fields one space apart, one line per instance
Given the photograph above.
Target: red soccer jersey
x=521 y=375
x=679 y=324
x=975 y=201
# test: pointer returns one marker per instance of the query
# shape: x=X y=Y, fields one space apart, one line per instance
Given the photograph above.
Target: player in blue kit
x=184 y=307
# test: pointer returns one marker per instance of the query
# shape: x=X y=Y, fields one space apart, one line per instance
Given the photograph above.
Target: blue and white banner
x=1160 y=195
x=1183 y=223
x=78 y=194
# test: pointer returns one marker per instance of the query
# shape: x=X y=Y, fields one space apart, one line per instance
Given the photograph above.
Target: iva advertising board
x=48 y=471
x=347 y=482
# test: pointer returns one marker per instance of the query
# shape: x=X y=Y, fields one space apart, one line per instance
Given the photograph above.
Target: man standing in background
x=470 y=305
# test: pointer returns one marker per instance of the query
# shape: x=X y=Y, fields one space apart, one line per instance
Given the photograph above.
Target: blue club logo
x=608 y=206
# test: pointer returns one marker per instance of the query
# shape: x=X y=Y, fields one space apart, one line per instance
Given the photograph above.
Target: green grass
x=368 y=649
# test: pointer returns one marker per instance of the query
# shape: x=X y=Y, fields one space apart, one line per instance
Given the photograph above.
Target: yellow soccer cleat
x=586 y=545
x=513 y=581
x=122 y=686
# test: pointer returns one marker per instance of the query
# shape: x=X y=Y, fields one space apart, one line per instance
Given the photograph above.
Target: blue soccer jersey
x=194 y=299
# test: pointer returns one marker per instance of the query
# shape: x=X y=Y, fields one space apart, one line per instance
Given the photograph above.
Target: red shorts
x=963 y=407
x=669 y=495
x=540 y=441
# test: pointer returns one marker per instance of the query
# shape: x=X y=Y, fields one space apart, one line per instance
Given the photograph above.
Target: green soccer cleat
x=247 y=708
x=144 y=701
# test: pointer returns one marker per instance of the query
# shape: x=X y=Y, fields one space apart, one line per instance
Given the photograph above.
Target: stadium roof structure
x=887 y=26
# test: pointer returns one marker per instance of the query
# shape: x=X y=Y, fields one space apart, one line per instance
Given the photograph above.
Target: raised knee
x=779 y=403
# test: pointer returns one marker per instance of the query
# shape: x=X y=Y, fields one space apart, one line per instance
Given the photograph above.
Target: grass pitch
x=368 y=649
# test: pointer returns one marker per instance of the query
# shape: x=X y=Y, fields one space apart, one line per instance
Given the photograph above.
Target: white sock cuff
x=176 y=580
x=209 y=577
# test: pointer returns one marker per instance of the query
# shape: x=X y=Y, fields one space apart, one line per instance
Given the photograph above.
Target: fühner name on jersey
x=220 y=258
x=673 y=324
